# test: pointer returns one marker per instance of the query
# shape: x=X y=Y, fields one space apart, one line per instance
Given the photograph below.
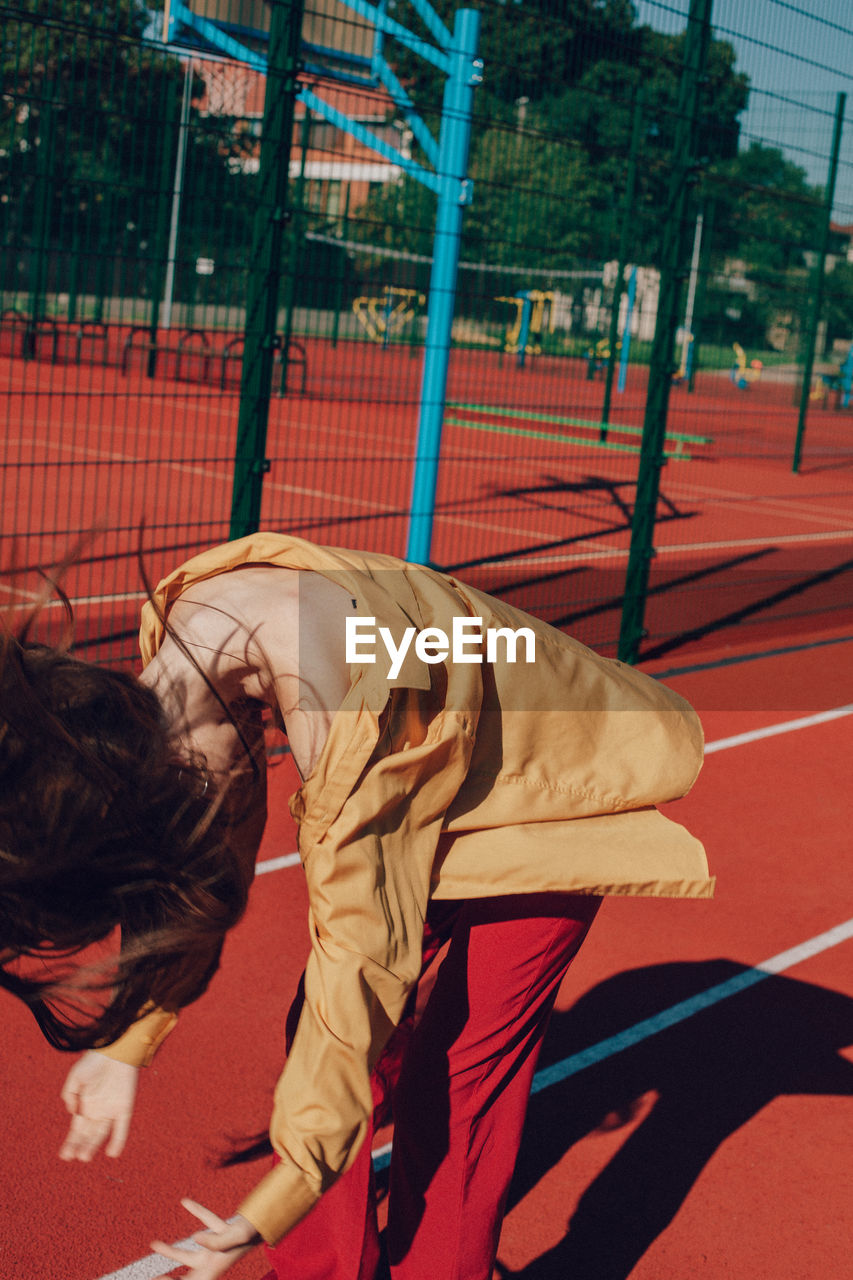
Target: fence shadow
x=708 y=1075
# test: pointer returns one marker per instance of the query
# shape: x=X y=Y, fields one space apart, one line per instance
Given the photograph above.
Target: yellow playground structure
x=387 y=314
x=743 y=375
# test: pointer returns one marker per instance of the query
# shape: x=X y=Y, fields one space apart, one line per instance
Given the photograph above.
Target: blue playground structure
x=842 y=382
x=626 y=335
x=743 y=375
x=597 y=357
x=455 y=53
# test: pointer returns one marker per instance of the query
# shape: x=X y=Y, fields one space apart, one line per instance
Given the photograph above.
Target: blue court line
x=688 y=1008
x=152 y=1266
x=680 y=1012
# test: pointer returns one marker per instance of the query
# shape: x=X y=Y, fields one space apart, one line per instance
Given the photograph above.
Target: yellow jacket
x=456 y=780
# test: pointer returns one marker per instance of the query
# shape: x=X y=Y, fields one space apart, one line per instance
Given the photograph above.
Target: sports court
x=695 y=1084
x=692 y=1110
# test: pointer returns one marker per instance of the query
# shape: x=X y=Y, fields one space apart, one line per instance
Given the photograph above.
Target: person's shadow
x=711 y=1073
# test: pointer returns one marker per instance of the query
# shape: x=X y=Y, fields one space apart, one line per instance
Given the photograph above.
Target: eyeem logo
x=465 y=644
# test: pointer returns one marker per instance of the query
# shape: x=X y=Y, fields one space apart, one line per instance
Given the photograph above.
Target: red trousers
x=458 y=1081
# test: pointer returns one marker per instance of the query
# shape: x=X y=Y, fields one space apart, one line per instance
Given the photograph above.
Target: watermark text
x=464 y=644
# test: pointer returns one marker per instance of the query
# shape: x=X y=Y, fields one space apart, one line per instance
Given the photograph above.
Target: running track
x=709 y=1141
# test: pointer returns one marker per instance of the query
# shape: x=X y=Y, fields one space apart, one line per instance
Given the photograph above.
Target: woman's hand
x=222 y=1244
x=99 y=1094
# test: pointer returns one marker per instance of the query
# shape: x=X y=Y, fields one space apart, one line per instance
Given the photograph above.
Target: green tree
x=597 y=113
x=528 y=49
x=88 y=121
x=550 y=143
x=520 y=215
x=552 y=127
x=766 y=220
x=838 y=303
x=768 y=213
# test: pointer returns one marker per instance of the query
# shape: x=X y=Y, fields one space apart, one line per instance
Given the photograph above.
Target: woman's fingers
x=70 y=1095
x=214 y=1250
x=172 y=1252
x=207 y=1216
x=118 y=1137
x=85 y=1136
x=99 y=1093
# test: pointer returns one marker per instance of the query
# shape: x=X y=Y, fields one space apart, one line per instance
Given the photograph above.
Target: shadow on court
x=711 y=1074
x=553 y=493
x=834 y=601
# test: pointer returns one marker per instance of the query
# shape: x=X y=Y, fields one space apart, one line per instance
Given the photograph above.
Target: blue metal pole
x=524 y=332
x=466 y=71
x=626 y=334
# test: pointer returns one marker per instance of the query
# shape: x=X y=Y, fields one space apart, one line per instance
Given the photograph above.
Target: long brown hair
x=104 y=826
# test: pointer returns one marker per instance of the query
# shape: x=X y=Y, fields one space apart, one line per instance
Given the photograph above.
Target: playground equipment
x=528 y=322
x=444 y=171
x=596 y=358
x=743 y=375
x=626 y=335
x=682 y=374
x=842 y=382
x=381 y=317
x=625 y=346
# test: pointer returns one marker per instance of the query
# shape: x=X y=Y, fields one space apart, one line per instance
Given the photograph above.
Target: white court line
x=790 y=511
x=277 y=864
x=596 y=550
x=18 y=591
x=786 y=726
x=604 y=552
x=720 y=744
x=151 y=1266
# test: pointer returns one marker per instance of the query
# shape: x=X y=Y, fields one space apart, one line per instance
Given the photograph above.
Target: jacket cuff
x=281 y=1199
x=142 y=1039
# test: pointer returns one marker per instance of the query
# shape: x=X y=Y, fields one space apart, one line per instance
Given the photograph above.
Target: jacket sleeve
x=142 y=1039
x=368 y=866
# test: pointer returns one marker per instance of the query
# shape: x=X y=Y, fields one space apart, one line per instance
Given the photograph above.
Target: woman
x=485 y=798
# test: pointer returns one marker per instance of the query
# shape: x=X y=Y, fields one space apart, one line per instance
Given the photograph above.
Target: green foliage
x=528 y=178
x=89 y=125
x=838 y=303
x=521 y=183
x=729 y=316
x=527 y=49
x=766 y=220
x=766 y=212
x=552 y=129
x=89 y=115
x=550 y=150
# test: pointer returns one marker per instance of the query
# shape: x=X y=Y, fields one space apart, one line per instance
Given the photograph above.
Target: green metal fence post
x=160 y=247
x=817 y=282
x=177 y=185
x=105 y=260
x=297 y=240
x=660 y=364
x=74 y=264
x=624 y=239
x=339 y=275
x=250 y=462
x=42 y=213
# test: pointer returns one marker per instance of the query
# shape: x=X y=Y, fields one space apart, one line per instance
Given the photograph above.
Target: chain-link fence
x=223 y=263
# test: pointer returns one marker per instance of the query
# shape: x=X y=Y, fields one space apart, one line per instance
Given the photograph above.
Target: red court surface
x=712 y=1144
x=716 y=1146
x=531 y=503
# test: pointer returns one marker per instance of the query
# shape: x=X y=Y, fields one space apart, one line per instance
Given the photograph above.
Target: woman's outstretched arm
x=218 y=725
